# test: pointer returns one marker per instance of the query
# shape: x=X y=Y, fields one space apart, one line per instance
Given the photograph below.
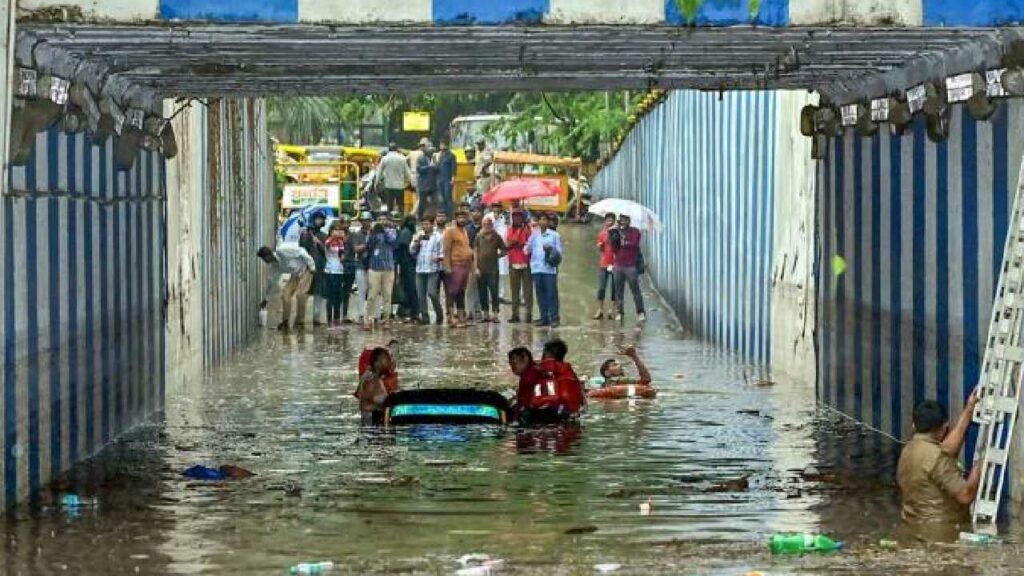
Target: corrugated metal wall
x=82 y=286
x=237 y=210
x=706 y=164
x=921 y=227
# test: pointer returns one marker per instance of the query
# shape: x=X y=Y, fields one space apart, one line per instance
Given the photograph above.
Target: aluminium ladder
x=1000 y=381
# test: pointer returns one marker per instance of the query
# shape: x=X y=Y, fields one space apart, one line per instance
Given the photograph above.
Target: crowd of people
x=380 y=270
x=375 y=271
x=431 y=174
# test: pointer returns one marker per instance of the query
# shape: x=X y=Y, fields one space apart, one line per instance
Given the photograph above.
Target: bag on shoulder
x=641 y=266
x=553 y=258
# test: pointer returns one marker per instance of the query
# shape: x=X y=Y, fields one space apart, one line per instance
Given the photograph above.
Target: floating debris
x=736 y=485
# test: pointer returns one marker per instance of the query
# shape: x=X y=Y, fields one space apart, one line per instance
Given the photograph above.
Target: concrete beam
x=246 y=60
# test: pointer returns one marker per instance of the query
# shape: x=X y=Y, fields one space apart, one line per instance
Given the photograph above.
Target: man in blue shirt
x=545 y=252
x=381 y=249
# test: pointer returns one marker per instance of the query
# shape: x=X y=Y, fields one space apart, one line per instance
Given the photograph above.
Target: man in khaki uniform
x=932 y=487
x=483 y=168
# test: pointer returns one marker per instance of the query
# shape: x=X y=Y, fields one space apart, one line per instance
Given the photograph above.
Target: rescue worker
x=932 y=488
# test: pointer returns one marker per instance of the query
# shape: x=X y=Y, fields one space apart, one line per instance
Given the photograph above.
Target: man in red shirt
x=606 y=273
x=520 y=279
x=520 y=360
x=626 y=240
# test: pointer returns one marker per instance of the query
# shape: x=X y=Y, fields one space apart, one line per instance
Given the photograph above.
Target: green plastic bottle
x=800 y=543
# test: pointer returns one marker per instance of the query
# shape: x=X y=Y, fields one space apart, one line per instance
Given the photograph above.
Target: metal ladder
x=1000 y=382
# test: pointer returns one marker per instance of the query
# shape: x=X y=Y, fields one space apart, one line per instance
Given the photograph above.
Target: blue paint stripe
x=942 y=272
x=105 y=328
x=752 y=198
x=74 y=337
x=54 y=233
x=283 y=11
x=972 y=266
x=730 y=13
x=896 y=281
x=91 y=269
x=119 y=374
x=840 y=284
x=10 y=352
x=974 y=13
x=876 y=281
x=32 y=326
x=919 y=224
x=767 y=228
x=140 y=306
x=856 y=274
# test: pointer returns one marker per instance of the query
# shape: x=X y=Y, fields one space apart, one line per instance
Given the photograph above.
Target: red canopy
x=521 y=189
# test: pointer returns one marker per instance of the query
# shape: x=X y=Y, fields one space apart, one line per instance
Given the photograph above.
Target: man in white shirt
x=426 y=247
x=500 y=219
x=293 y=260
x=395 y=175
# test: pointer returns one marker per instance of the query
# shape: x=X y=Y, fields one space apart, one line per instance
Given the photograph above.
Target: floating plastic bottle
x=976 y=538
x=311 y=568
x=800 y=543
x=76 y=501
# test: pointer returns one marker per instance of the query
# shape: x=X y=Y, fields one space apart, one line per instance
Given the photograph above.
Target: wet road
x=556 y=503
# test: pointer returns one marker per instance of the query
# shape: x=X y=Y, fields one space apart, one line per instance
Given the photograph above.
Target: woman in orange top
x=459 y=261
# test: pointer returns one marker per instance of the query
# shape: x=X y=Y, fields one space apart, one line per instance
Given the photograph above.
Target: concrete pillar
x=793 y=306
x=185 y=181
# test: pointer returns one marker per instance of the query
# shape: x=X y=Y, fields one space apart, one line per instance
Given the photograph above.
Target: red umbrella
x=521 y=189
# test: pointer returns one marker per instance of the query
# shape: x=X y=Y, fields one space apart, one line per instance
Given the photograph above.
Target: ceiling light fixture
x=916 y=97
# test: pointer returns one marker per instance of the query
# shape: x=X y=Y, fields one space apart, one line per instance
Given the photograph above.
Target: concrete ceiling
x=845 y=64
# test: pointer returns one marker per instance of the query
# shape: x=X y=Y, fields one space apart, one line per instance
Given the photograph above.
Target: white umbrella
x=640 y=216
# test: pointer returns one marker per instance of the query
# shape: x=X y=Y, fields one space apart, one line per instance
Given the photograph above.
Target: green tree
x=564 y=123
x=568 y=123
x=301 y=120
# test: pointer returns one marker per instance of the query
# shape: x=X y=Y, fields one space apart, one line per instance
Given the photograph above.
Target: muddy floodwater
x=722 y=458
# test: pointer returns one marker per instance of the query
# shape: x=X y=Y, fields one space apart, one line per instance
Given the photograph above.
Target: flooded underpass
x=693 y=482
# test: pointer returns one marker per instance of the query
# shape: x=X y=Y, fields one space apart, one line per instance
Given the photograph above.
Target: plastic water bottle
x=976 y=538
x=800 y=543
x=76 y=501
x=311 y=567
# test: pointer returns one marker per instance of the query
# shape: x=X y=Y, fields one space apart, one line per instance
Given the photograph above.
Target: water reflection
x=722 y=461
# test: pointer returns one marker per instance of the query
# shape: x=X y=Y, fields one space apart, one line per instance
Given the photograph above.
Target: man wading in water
x=934 y=491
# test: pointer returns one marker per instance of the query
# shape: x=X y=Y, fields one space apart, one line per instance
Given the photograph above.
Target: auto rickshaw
x=568 y=172
x=322 y=165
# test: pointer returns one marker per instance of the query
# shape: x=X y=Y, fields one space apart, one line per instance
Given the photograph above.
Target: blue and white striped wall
x=81 y=285
x=707 y=165
x=706 y=13
x=921 y=227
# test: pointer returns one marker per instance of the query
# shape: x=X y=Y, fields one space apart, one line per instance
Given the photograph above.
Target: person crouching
x=371 y=391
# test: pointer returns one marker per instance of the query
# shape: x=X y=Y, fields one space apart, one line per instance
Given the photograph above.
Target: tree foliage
x=564 y=123
x=306 y=119
x=567 y=123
